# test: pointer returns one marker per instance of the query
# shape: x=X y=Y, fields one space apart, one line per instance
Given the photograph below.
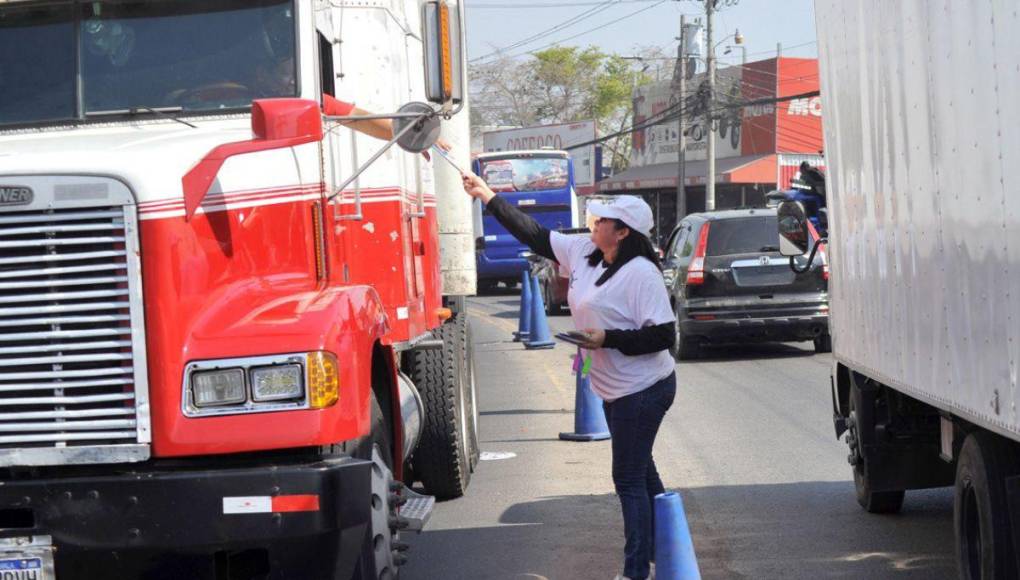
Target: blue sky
x=762 y=23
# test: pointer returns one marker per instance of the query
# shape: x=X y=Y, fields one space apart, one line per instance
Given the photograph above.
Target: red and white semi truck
x=230 y=327
x=922 y=144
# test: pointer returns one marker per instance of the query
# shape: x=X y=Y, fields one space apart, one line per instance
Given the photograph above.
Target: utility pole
x=681 y=149
x=709 y=132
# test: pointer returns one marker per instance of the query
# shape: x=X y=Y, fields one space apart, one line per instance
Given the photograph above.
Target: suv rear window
x=746 y=235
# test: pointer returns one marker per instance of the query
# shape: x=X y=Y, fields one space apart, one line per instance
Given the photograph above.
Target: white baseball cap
x=629 y=209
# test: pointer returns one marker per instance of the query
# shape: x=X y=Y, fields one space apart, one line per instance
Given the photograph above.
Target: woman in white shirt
x=618 y=298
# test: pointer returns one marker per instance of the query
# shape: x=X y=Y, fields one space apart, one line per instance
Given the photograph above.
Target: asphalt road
x=749 y=443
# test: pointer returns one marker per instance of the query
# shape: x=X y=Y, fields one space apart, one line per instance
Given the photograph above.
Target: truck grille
x=67 y=347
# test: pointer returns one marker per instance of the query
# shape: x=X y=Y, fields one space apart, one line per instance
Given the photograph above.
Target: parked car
x=553 y=280
x=728 y=283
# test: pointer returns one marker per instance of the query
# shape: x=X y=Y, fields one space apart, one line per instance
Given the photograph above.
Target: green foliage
x=557 y=85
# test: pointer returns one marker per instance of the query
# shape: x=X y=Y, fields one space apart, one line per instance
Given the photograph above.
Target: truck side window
x=326 y=72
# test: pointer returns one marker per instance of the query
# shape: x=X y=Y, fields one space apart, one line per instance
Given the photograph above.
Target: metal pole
x=709 y=132
x=681 y=145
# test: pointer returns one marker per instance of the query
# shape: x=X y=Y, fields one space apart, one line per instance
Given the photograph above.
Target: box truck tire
x=442 y=461
x=875 y=502
x=984 y=545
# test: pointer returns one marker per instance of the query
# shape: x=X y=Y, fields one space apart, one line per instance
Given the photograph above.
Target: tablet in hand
x=573 y=337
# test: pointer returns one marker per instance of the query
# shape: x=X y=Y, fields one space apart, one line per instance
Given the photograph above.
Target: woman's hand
x=593 y=338
x=475 y=187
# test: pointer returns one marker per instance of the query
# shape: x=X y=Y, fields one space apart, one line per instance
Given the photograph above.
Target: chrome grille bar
x=72 y=350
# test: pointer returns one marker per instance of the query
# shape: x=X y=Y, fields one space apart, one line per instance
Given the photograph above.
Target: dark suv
x=729 y=283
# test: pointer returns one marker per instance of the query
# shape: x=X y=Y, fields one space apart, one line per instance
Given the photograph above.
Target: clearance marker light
x=323 y=380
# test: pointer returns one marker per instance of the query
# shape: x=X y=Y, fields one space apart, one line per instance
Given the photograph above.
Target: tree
x=557 y=85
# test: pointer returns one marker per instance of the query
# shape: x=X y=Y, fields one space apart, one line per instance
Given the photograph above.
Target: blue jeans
x=633 y=422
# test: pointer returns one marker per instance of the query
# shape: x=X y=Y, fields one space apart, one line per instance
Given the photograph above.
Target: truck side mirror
x=443 y=35
x=275 y=123
x=793 y=229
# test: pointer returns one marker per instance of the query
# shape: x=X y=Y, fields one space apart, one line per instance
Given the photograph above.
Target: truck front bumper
x=294 y=520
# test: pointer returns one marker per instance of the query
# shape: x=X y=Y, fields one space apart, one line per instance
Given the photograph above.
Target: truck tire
x=442 y=460
x=823 y=343
x=874 y=502
x=470 y=422
x=984 y=546
x=377 y=561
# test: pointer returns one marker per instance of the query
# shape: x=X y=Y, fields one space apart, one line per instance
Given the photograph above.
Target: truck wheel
x=823 y=343
x=684 y=347
x=470 y=416
x=984 y=547
x=377 y=560
x=486 y=286
x=875 y=502
x=442 y=460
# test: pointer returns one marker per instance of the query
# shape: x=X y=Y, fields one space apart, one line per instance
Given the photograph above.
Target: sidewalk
x=550 y=511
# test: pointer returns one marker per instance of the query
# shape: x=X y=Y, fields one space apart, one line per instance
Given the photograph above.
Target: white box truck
x=922 y=142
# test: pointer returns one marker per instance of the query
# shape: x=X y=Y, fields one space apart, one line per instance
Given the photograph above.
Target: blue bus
x=540 y=183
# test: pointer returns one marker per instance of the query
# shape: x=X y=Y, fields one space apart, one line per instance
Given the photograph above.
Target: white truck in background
x=922 y=142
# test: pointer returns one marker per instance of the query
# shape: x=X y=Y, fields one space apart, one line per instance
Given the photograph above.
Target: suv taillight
x=821 y=251
x=696 y=271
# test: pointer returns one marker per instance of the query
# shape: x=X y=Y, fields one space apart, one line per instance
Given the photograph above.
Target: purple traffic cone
x=674 y=550
x=589 y=418
x=540 y=337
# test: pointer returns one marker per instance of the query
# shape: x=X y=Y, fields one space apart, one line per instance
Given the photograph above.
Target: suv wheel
x=684 y=347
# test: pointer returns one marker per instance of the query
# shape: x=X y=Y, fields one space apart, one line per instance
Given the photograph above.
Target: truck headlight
x=219 y=387
x=277 y=383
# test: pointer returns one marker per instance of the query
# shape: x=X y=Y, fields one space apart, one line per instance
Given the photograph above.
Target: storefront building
x=759 y=147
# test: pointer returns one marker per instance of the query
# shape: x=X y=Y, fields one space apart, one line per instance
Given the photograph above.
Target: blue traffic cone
x=589 y=418
x=539 y=337
x=674 y=549
x=524 y=316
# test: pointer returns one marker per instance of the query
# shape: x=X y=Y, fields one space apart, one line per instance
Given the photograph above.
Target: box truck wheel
x=823 y=343
x=442 y=460
x=377 y=554
x=876 y=502
x=984 y=547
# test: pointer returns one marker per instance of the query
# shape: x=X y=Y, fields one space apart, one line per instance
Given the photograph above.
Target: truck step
x=417 y=510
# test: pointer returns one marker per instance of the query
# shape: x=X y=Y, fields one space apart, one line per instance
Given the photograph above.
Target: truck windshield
x=525 y=174
x=189 y=55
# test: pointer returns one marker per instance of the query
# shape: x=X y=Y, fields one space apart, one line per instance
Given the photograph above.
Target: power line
x=589 y=31
x=673 y=116
x=601 y=6
x=504 y=6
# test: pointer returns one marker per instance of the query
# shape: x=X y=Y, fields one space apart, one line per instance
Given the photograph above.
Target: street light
x=743 y=52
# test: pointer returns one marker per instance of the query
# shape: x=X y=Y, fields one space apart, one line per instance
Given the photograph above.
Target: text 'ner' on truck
x=922 y=143
x=227 y=336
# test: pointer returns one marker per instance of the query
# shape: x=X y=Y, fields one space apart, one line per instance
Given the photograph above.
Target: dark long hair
x=633 y=246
